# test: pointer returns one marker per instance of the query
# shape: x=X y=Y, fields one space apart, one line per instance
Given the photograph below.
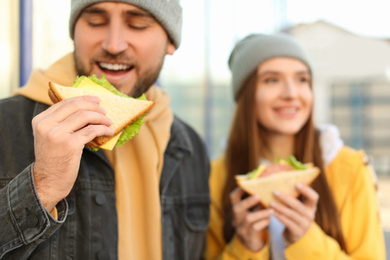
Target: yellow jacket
x=352 y=185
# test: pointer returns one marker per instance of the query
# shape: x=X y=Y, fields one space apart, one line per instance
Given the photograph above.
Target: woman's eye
x=271 y=80
x=303 y=79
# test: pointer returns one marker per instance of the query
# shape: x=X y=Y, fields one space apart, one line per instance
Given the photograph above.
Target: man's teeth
x=111 y=66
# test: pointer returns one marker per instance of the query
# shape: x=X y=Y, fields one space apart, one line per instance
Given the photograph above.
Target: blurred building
x=351 y=72
x=352 y=86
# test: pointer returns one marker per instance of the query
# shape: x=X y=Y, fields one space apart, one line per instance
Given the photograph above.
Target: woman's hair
x=247 y=144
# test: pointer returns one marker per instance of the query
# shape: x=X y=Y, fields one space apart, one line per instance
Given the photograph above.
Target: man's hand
x=60 y=134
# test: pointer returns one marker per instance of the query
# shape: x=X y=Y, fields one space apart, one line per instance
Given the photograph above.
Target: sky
x=367 y=18
x=220 y=27
x=211 y=27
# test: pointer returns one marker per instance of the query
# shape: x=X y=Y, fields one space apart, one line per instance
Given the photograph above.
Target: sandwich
x=126 y=113
x=281 y=175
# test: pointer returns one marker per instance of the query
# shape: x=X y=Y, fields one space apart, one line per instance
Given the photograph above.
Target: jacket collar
x=180 y=137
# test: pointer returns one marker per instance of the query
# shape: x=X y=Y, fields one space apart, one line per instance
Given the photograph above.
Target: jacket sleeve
x=216 y=247
x=360 y=221
x=25 y=223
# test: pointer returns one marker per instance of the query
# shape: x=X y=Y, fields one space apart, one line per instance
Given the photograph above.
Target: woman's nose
x=290 y=89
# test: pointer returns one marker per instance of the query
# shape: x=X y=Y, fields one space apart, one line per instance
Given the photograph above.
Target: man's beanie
x=255 y=49
x=167 y=12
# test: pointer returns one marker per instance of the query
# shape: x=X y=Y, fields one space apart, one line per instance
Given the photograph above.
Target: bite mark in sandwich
x=126 y=113
x=282 y=175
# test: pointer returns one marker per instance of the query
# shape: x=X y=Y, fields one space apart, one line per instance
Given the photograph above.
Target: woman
x=334 y=218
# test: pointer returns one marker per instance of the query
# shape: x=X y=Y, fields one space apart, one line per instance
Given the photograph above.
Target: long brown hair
x=247 y=143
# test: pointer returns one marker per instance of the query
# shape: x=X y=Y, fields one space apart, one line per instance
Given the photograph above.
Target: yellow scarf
x=138 y=164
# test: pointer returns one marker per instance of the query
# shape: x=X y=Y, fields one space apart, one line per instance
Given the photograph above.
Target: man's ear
x=171 y=48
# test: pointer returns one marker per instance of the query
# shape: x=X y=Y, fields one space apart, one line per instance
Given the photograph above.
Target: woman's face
x=284 y=97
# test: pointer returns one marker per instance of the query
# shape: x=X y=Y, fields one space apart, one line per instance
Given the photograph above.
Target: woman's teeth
x=288 y=110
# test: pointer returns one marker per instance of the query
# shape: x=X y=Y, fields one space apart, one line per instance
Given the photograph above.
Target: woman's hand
x=297 y=216
x=250 y=225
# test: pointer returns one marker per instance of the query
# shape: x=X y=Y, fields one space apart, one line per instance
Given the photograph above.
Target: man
x=147 y=199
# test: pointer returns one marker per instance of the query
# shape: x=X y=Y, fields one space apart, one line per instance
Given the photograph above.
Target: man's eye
x=139 y=22
x=138 y=26
x=97 y=22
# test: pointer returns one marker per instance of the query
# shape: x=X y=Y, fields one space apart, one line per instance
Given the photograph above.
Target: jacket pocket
x=197 y=213
x=196 y=219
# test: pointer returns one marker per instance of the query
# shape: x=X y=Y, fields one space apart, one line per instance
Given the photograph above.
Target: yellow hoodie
x=351 y=183
x=137 y=164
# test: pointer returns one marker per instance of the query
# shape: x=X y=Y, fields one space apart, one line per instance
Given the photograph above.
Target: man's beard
x=145 y=81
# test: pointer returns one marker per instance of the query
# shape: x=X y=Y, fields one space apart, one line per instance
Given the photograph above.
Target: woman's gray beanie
x=167 y=12
x=254 y=49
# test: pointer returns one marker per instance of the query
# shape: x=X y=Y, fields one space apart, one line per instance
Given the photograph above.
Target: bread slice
x=284 y=181
x=121 y=110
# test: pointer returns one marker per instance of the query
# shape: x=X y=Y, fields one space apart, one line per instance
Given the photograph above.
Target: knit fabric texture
x=255 y=49
x=167 y=12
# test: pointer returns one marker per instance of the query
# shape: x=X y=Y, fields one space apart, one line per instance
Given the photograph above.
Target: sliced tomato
x=275 y=167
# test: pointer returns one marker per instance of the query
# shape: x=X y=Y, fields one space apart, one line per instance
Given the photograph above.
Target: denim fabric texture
x=87 y=222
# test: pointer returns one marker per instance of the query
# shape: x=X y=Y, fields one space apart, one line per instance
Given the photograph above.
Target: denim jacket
x=86 y=227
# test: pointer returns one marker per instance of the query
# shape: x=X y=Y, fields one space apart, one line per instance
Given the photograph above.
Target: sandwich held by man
x=126 y=113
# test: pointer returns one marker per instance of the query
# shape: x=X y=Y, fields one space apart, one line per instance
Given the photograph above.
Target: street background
x=384 y=203
x=348 y=42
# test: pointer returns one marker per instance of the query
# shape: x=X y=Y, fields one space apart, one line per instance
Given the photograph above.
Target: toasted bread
x=121 y=110
x=284 y=181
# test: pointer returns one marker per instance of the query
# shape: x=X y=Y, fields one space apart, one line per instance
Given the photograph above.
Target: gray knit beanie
x=167 y=12
x=255 y=49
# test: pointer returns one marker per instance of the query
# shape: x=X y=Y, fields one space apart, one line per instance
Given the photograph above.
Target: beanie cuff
x=255 y=49
x=167 y=13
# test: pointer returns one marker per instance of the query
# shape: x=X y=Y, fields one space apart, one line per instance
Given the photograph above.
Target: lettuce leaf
x=293 y=162
x=251 y=174
x=134 y=128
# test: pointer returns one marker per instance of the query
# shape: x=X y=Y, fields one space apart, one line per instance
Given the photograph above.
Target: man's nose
x=115 y=42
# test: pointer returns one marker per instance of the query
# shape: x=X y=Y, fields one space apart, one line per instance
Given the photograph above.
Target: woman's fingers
x=240 y=204
x=260 y=219
x=297 y=216
x=310 y=195
x=236 y=195
x=244 y=218
x=250 y=219
x=306 y=208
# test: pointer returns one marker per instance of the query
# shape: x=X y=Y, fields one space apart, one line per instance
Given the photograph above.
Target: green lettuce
x=134 y=128
x=252 y=174
x=293 y=162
